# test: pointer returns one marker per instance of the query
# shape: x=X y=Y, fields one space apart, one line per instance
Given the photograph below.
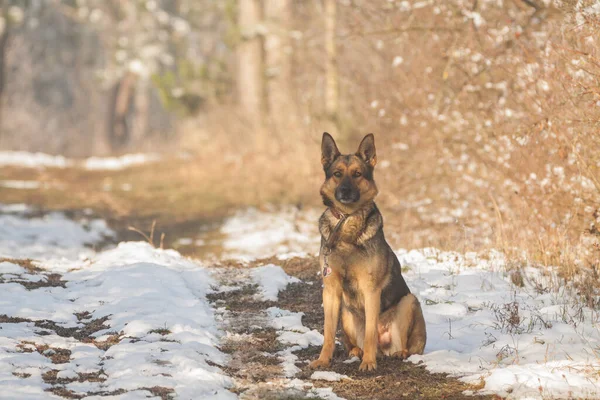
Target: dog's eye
x=337 y=174
x=357 y=174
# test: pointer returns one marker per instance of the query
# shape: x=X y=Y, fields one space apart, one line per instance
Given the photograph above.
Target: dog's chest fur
x=355 y=232
x=362 y=260
x=357 y=258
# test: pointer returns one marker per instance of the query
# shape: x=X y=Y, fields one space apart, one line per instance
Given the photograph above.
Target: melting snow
x=293 y=333
x=51 y=236
x=155 y=301
x=255 y=234
x=32 y=160
x=533 y=341
x=26 y=185
x=327 y=376
x=117 y=163
x=518 y=340
x=25 y=159
x=271 y=279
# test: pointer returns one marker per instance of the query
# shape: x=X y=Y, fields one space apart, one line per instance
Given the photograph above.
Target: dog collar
x=336 y=213
x=333 y=237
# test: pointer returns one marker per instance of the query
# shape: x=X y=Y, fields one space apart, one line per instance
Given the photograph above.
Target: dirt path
x=254 y=347
x=249 y=341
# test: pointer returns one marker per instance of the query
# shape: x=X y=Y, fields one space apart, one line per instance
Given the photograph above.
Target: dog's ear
x=329 y=150
x=366 y=150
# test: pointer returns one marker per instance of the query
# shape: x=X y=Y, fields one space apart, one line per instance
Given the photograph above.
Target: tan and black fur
x=365 y=287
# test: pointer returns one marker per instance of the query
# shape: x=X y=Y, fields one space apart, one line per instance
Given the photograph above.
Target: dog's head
x=349 y=180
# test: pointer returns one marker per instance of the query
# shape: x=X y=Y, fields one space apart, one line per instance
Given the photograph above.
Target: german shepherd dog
x=362 y=279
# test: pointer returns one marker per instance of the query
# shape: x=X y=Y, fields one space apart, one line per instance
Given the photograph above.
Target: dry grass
x=486 y=117
x=25 y=263
x=172 y=191
x=55 y=354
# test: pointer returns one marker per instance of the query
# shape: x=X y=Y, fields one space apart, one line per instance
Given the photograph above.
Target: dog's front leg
x=372 y=309
x=332 y=297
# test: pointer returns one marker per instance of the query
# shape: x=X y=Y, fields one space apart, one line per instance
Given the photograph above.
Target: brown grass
x=487 y=133
x=26 y=263
x=57 y=355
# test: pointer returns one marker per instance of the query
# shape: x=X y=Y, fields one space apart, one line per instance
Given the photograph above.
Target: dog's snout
x=346 y=193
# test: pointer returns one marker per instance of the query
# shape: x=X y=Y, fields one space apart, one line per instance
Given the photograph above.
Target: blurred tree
x=250 y=62
x=11 y=13
x=278 y=53
x=141 y=38
x=115 y=55
x=4 y=31
x=331 y=73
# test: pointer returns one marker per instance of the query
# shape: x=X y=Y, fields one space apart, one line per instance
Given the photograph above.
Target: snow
x=140 y=290
x=475 y=331
x=290 y=331
x=329 y=376
x=50 y=236
x=118 y=163
x=10 y=268
x=14 y=208
x=24 y=159
x=320 y=393
x=22 y=185
x=32 y=160
x=271 y=279
x=252 y=233
x=291 y=334
x=535 y=341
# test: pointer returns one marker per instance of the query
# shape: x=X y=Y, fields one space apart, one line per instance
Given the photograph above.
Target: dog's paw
x=356 y=352
x=319 y=363
x=402 y=355
x=368 y=365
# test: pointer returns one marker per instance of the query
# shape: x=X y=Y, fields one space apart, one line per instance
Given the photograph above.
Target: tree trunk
x=331 y=78
x=119 y=129
x=3 y=46
x=278 y=52
x=142 y=107
x=250 y=79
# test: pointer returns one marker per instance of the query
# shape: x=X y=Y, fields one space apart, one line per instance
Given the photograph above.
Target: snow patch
x=25 y=159
x=293 y=333
x=141 y=291
x=32 y=160
x=252 y=234
x=50 y=237
x=118 y=163
x=329 y=376
x=271 y=279
x=21 y=185
x=517 y=339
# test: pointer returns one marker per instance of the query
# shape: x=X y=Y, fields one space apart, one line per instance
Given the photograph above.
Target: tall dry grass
x=486 y=115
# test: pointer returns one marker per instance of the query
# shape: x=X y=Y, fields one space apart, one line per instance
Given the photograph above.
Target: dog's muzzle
x=347 y=195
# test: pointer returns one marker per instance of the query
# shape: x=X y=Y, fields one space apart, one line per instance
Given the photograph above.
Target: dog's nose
x=345 y=192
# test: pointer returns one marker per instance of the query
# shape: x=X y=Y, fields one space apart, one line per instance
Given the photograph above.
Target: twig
x=149 y=239
x=403 y=30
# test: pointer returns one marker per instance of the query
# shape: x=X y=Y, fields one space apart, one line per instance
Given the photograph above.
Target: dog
x=362 y=277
